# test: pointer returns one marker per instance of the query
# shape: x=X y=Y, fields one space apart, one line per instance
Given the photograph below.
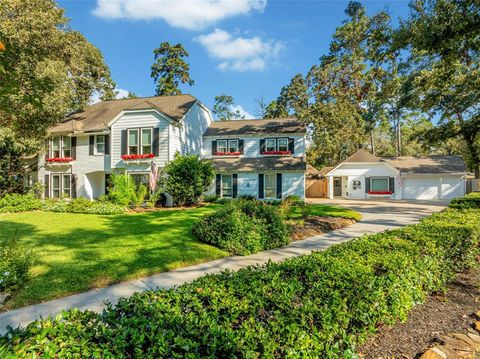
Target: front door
x=337 y=187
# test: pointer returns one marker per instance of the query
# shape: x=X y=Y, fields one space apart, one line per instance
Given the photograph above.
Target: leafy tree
x=443 y=37
x=170 y=69
x=186 y=178
x=223 y=108
x=49 y=69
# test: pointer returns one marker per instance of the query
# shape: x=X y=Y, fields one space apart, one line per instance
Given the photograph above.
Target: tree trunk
x=372 y=141
x=399 y=139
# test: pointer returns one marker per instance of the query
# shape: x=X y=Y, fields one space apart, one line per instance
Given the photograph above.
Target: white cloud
x=185 y=14
x=244 y=113
x=96 y=95
x=239 y=53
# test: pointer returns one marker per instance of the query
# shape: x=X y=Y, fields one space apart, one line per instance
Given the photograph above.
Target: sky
x=244 y=48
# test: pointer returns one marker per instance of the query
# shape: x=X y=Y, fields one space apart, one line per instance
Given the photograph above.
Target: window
x=146 y=141
x=379 y=184
x=233 y=146
x=66 y=146
x=56 y=147
x=283 y=144
x=270 y=145
x=270 y=185
x=99 y=144
x=140 y=178
x=227 y=188
x=66 y=186
x=56 y=186
x=133 y=142
x=222 y=146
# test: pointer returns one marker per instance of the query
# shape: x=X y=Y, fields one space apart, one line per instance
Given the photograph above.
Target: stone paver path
x=378 y=216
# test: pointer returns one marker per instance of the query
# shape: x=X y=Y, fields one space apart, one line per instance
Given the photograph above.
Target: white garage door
x=421 y=188
x=452 y=187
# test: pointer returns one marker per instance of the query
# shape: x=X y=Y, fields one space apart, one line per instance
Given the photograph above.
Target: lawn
x=77 y=252
x=323 y=210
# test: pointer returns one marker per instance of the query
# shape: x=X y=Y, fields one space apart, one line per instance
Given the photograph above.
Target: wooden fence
x=316 y=188
x=473 y=185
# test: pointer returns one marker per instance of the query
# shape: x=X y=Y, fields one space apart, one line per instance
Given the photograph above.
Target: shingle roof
x=97 y=116
x=362 y=156
x=252 y=127
x=259 y=164
x=427 y=164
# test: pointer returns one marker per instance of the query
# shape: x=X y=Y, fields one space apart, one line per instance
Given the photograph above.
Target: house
x=364 y=175
x=123 y=136
x=260 y=158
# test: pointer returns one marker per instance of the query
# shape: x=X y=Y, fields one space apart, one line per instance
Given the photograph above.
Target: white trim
x=329 y=173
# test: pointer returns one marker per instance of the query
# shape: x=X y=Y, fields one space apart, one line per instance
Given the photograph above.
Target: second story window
x=99 y=144
x=283 y=144
x=60 y=147
x=233 y=146
x=146 y=141
x=133 y=142
x=222 y=146
x=270 y=145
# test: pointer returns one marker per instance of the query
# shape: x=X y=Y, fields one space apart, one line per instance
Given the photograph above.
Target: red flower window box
x=59 y=159
x=276 y=153
x=138 y=157
x=380 y=192
x=227 y=153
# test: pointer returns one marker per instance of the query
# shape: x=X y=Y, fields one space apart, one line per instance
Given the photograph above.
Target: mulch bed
x=439 y=315
x=313 y=225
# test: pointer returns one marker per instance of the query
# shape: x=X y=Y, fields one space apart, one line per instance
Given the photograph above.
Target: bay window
x=270 y=183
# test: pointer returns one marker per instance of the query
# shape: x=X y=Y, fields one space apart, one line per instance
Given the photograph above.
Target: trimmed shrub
x=210 y=198
x=243 y=226
x=471 y=200
x=19 y=203
x=15 y=262
x=319 y=305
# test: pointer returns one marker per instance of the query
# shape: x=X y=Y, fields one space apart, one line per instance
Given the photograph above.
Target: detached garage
x=363 y=176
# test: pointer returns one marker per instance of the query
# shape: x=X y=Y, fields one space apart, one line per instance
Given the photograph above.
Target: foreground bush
x=318 y=306
x=471 y=200
x=19 y=203
x=82 y=205
x=243 y=226
x=15 y=262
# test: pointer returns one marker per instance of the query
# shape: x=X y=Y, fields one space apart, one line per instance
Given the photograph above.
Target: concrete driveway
x=378 y=216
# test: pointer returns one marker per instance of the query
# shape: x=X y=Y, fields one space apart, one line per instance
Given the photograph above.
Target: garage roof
x=427 y=164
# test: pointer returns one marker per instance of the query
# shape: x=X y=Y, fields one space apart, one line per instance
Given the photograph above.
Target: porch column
x=330 y=187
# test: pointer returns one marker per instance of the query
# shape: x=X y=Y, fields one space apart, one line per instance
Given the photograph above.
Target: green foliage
x=223 y=108
x=15 y=262
x=320 y=305
x=210 y=198
x=125 y=193
x=19 y=203
x=170 y=69
x=471 y=200
x=243 y=226
x=186 y=178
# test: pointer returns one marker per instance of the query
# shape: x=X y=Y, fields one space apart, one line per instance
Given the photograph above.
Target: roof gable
x=362 y=156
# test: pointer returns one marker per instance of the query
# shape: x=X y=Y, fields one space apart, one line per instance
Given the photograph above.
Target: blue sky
x=244 y=48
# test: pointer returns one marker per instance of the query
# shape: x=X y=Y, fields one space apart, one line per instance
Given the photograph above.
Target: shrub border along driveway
x=393 y=215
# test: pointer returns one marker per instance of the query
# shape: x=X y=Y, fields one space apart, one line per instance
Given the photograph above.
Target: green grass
x=76 y=252
x=323 y=210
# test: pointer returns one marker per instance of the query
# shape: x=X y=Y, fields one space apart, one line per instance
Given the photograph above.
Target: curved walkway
x=378 y=216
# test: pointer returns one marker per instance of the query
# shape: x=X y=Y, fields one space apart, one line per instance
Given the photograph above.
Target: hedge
x=471 y=200
x=319 y=305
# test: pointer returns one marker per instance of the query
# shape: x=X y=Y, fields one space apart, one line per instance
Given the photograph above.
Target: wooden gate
x=316 y=188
